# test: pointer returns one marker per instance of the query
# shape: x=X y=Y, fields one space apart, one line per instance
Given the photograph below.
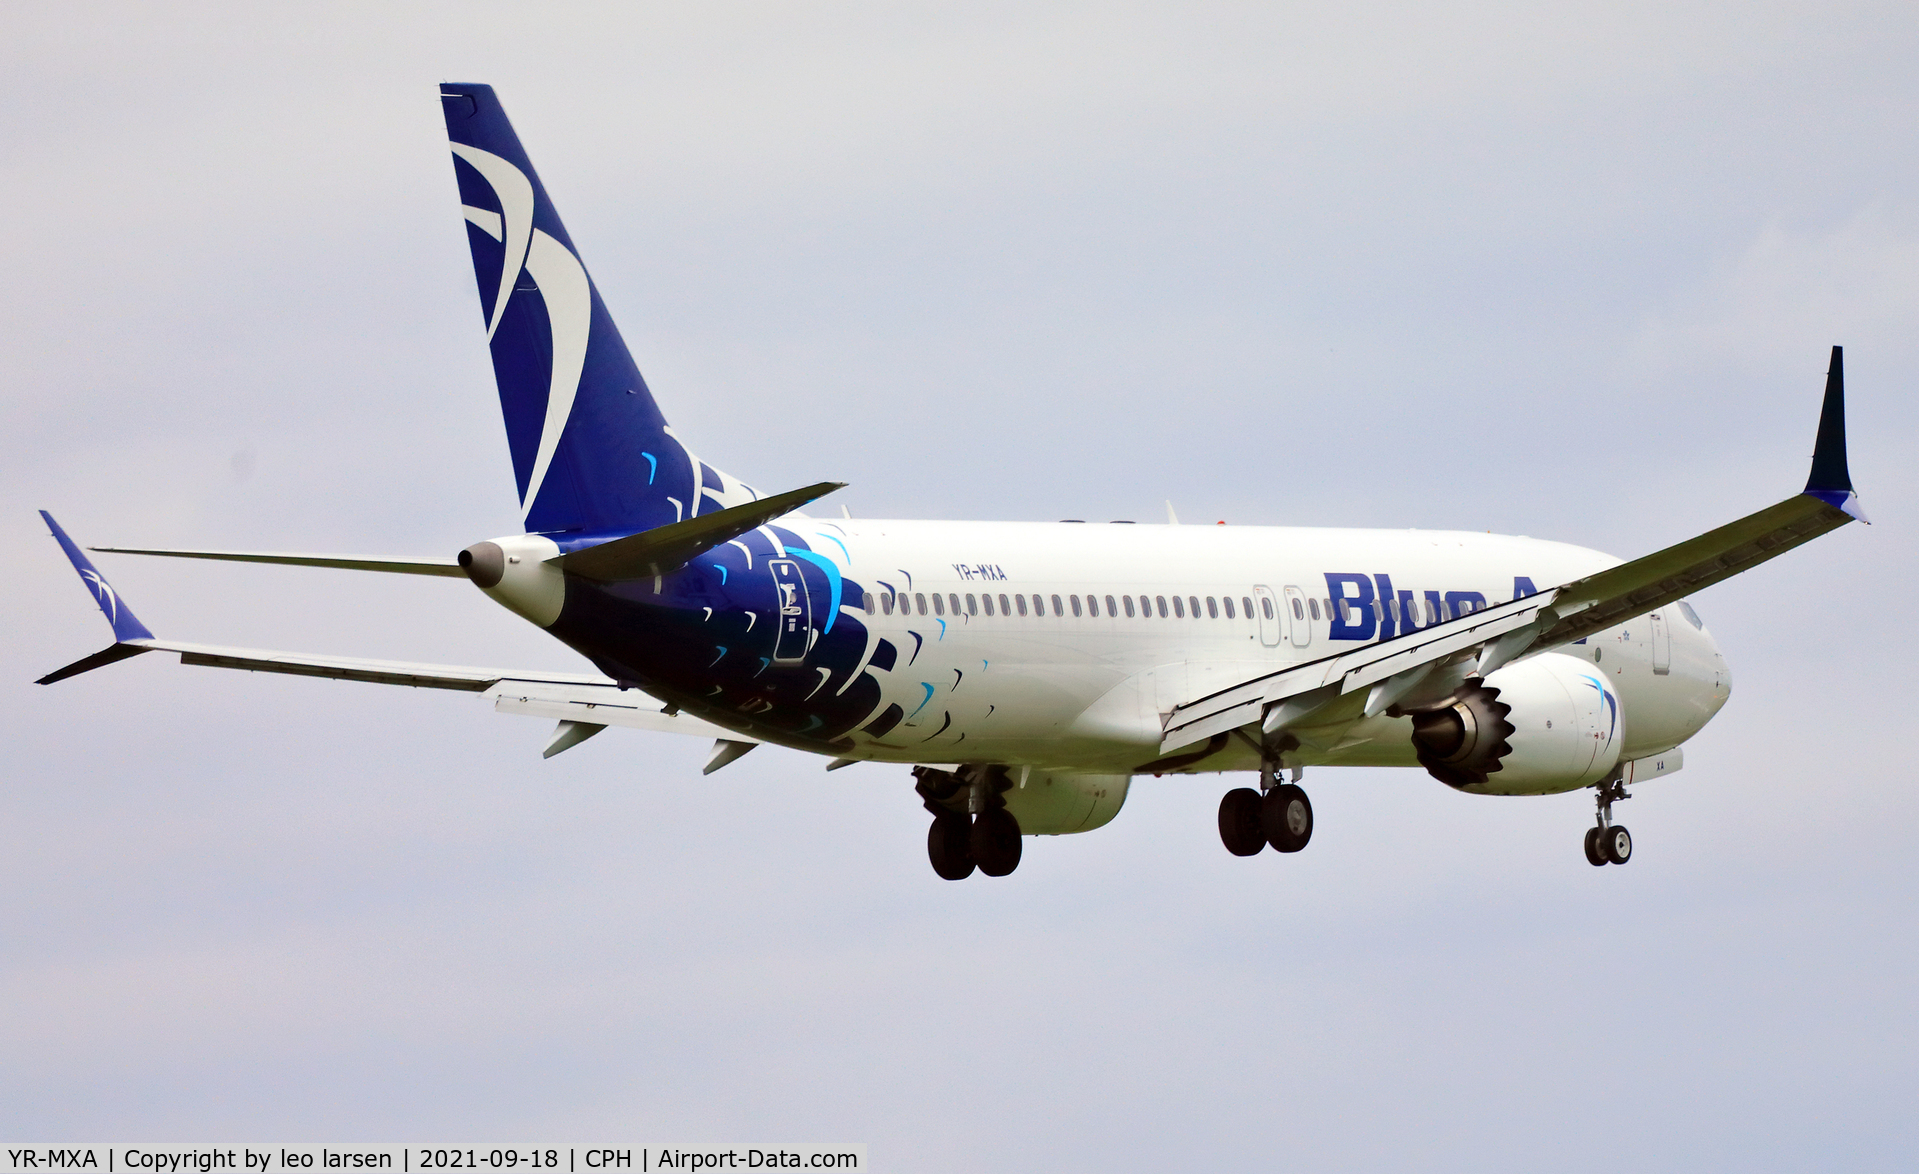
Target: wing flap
x=602 y=705
x=1361 y=668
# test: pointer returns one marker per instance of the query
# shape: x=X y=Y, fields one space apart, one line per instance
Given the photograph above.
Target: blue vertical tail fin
x=592 y=453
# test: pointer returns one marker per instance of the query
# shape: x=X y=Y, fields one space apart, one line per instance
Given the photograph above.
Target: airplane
x=1026 y=672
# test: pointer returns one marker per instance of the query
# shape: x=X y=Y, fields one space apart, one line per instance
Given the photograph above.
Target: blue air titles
x=1360 y=608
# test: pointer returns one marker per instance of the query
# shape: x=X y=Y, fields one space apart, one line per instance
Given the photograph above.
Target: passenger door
x=1268 y=616
x=1298 y=619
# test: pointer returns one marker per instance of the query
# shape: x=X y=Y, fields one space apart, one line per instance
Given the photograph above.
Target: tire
x=1618 y=844
x=1239 y=825
x=1286 y=816
x=948 y=846
x=996 y=842
x=1595 y=855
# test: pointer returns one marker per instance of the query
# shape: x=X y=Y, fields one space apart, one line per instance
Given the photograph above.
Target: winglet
x=126 y=626
x=1831 y=480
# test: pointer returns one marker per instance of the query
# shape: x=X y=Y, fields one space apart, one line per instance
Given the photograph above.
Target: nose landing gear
x=1609 y=842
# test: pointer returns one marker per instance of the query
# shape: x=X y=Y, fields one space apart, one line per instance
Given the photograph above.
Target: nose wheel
x=1609 y=842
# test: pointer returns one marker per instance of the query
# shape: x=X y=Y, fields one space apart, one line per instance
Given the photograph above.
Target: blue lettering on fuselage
x=1359 y=608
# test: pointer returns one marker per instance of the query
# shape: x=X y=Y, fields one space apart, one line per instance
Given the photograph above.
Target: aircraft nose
x=484 y=563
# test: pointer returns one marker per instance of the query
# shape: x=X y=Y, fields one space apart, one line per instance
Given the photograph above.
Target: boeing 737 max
x=1025 y=671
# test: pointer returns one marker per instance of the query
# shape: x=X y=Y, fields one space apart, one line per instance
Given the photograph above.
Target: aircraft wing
x=1392 y=669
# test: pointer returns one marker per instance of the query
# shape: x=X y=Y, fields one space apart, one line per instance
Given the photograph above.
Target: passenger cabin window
x=1299 y=613
x=921 y=596
x=1074 y=600
x=972 y=608
x=1179 y=608
x=1003 y=609
x=1129 y=606
x=1039 y=605
x=1246 y=602
x=871 y=604
x=987 y=600
x=1021 y=601
x=939 y=605
x=1146 y=606
x=886 y=603
x=1110 y=609
x=1162 y=606
x=1313 y=606
x=1229 y=607
x=1057 y=609
x=1192 y=605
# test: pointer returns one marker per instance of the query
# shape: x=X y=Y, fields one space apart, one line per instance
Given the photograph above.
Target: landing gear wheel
x=1286 y=816
x=996 y=842
x=1595 y=855
x=948 y=846
x=1617 y=842
x=1239 y=826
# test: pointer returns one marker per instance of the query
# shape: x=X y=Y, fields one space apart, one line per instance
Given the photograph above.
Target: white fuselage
x=1076 y=682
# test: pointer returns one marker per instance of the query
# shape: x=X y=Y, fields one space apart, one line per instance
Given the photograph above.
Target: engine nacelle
x=1547 y=724
x=514 y=571
x=1060 y=804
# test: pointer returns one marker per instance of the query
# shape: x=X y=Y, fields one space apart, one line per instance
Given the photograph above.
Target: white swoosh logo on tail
x=569 y=309
x=515 y=193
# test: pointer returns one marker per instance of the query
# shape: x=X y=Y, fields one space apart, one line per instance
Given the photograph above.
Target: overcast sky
x=1571 y=274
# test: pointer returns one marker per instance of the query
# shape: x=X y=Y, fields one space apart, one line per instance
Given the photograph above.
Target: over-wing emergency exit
x=1025 y=672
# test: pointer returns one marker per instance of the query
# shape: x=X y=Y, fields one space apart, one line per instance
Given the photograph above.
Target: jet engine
x=1546 y=724
x=1059 y=804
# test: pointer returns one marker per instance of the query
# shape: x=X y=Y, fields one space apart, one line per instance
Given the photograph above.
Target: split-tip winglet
x=1831 y=480
x=126 y=626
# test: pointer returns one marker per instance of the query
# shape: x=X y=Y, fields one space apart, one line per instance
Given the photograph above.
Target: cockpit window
x=1692 y=617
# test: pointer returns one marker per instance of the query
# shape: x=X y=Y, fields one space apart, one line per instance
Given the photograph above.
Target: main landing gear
x=1609 y=842
x=971 y=827
x=1282 y=816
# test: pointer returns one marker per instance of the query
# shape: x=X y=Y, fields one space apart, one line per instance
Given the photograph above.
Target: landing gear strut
x=1609 y=842
x=971 y=827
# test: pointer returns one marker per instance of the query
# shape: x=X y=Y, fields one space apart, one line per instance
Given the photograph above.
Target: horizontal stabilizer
x=346 y=562
x=665 y=548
